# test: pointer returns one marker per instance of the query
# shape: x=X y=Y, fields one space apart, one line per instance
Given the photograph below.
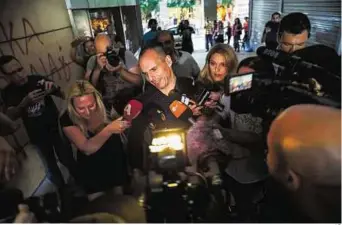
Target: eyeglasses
x=16 y=71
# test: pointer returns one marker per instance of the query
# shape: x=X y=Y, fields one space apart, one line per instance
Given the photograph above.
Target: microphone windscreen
x=177 y=108
x=180 y=111
x=132 y=109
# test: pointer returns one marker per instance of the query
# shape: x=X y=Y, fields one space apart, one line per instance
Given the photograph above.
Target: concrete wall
x=38 y=33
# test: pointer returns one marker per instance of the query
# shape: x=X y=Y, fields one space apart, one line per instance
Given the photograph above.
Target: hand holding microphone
x=196 y=110
x=118 y=126
x=132 y=110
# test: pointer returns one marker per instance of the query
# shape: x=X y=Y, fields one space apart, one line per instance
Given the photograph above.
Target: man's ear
x=168 y=60
x=292 y=181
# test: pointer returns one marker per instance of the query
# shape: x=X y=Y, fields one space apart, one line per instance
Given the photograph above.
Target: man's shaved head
x=307 y=139
x=102 y=42
x=304 y=154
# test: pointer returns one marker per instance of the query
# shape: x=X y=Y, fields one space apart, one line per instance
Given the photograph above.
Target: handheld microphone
x=276 y=56
x=132 y=110
x=181 y=111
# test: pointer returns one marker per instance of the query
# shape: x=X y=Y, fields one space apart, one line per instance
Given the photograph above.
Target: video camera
x=172 y=193
x=297 y=81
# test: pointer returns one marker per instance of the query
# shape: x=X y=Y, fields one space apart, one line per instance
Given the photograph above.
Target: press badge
x=217 y=134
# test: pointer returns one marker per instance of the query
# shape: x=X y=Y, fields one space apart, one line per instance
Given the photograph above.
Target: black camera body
x=268 y=97
x=297 y=82
x=113 y=57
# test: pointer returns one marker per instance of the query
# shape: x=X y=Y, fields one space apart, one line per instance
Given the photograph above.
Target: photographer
x=305 y=157
x=110 y=79
x=29 y=98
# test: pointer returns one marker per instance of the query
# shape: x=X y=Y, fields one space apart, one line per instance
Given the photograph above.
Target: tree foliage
x=228 y=3
x=147 y=7
x=181 y=3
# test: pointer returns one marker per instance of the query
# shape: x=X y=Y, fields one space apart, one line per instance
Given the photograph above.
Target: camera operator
x=29 y=98
x=305 y=157
x=183 y=63
x=294 y=32
x=112 y=80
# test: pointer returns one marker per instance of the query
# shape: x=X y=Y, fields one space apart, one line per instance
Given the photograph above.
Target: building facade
x=122 y=18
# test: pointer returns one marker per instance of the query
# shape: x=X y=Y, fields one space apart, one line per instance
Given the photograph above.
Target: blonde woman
x=221 y=61
x=100 y=155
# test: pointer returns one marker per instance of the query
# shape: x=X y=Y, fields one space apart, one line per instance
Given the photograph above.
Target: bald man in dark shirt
x=305 y=157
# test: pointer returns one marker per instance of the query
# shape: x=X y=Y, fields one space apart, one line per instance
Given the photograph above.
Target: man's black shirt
x=38 y=116
x=271 y=36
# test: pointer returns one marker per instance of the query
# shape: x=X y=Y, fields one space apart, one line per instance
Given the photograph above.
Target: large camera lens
x=112 y=57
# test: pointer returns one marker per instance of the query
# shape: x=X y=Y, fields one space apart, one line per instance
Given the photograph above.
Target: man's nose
x=292 y=48
x=151 y=77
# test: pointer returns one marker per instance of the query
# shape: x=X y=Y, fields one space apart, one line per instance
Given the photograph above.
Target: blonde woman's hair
x=231 y=61
x=78 y=89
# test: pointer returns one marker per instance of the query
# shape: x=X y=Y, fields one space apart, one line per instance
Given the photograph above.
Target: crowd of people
x=215 y=33
x=303 y=145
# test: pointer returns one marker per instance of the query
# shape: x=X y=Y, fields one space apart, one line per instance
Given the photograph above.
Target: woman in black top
x=186 y=33
x=100 y=156
x=237 y=30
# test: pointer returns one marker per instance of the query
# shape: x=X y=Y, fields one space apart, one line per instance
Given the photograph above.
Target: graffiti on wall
x=53 y=66
x=39 y=53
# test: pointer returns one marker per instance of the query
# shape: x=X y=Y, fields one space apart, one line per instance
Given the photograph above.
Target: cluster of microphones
x=303 y=59
x=179 y=109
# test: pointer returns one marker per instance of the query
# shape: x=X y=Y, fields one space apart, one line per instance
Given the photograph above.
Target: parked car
x=177 y=37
